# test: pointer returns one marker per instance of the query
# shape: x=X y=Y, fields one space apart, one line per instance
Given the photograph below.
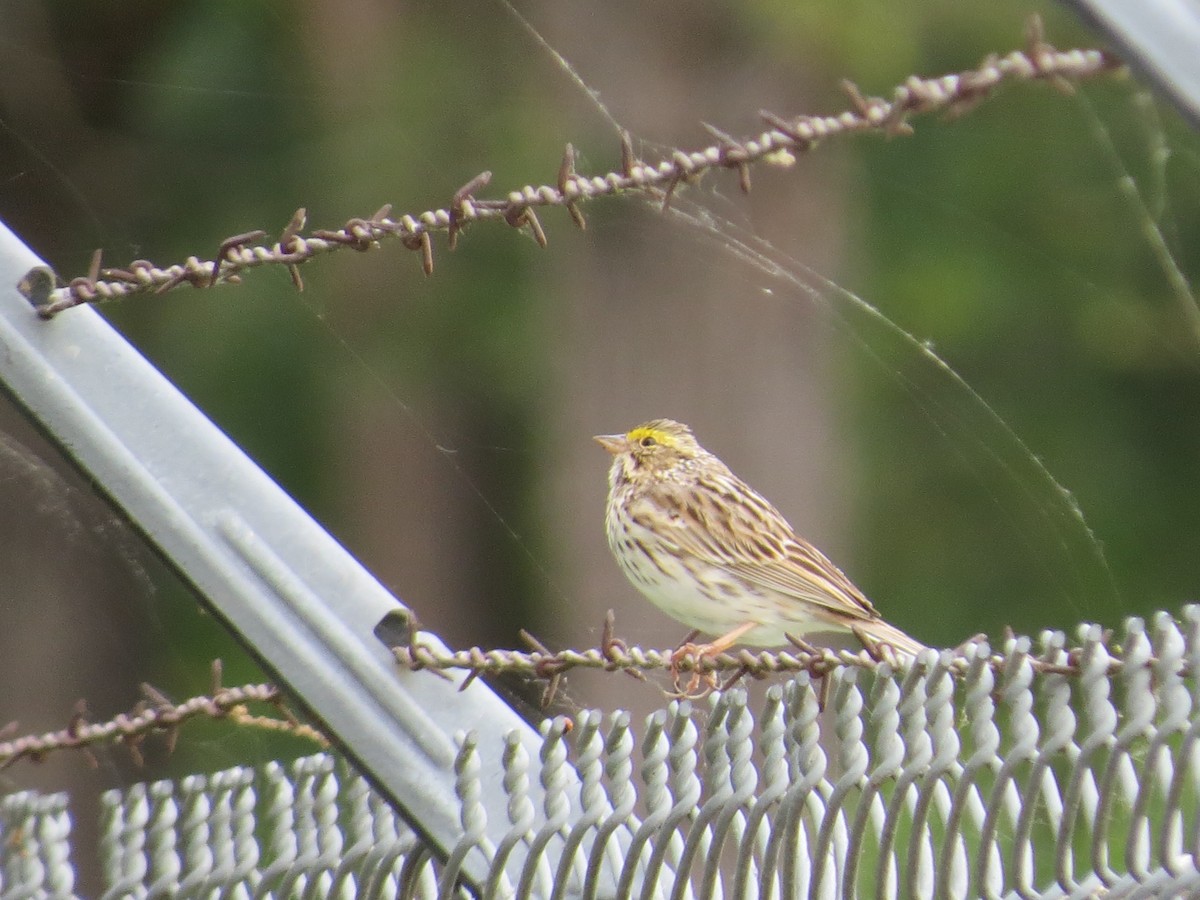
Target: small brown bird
x=714 y=554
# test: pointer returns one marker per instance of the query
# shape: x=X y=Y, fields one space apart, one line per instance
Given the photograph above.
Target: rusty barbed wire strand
x=156 y=714
x=955 y=94
x=614 y=655
x=476 y=661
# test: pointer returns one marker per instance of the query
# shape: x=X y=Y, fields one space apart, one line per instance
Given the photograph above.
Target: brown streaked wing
x=807 y=574
x=728 y=524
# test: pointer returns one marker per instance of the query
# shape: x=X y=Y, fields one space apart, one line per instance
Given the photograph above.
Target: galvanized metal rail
x=295 y=597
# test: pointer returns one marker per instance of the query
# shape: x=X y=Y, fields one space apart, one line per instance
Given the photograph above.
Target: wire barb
x=228 y=246
x=462 y=206
x=565 y=182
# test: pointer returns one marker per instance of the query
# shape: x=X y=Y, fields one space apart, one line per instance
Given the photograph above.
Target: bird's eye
x=647 y=441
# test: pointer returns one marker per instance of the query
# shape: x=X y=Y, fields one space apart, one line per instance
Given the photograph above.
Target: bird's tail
x=877 y=631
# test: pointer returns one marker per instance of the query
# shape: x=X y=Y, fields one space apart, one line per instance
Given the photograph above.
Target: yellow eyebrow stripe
x=659 y=435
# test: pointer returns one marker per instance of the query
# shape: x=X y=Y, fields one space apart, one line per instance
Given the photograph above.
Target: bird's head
x=655 y=447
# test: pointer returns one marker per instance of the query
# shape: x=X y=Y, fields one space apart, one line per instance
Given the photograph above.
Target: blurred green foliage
x=1012 y=249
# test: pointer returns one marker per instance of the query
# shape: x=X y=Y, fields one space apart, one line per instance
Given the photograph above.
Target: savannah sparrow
x=713 y=553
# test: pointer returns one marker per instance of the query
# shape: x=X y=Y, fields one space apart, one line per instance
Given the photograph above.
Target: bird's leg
x=697 y=652
x=725 y=641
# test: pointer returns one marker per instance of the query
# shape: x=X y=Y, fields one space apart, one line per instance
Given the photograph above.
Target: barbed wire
x=1055 y=658
x=954 y=94
x=156 y=714
x=1052 y=656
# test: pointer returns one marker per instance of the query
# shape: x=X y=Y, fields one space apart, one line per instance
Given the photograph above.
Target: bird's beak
x=613 y=443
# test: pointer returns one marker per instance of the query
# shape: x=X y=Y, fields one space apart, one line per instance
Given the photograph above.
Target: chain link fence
x=1055 y=773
